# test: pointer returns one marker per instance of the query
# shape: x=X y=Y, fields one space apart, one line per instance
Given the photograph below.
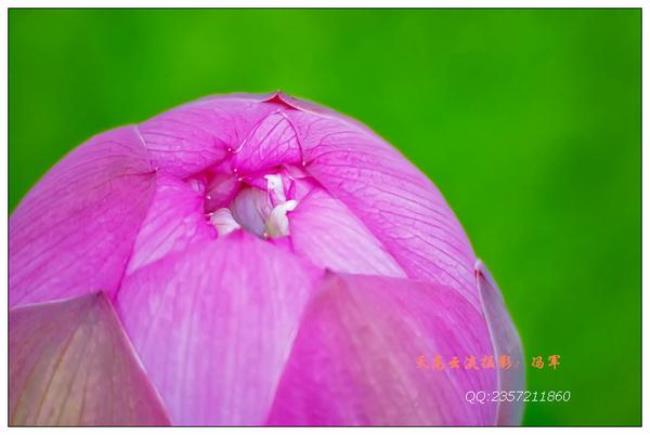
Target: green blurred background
x=527 y=120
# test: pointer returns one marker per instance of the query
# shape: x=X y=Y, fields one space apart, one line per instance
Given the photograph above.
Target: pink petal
x=506 y=342
x=214 y=326
x=74 y=231
x=395 y=201
x=324 y=231
x=192 y=137
x=175 y=220
x=354 y=359
x=272 y=142
x=71 y=364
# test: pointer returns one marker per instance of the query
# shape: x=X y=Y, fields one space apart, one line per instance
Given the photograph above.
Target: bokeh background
x=527 y=120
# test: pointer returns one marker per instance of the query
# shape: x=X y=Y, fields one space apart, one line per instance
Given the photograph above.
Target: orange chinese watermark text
x=482 y=362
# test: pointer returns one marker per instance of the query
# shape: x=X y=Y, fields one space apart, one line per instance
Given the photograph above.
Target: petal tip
x=280 y=98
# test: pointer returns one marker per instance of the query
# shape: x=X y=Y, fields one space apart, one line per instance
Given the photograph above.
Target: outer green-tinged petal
x=71 y=364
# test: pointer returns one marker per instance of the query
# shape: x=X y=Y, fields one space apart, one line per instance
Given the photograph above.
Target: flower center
x=261 y=207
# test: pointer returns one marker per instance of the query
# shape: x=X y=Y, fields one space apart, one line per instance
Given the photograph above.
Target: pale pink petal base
x=354 y=359
x=214 y=326
x=70 y=364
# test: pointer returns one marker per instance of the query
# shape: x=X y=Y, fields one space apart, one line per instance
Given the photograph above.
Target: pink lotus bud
x=248 y=260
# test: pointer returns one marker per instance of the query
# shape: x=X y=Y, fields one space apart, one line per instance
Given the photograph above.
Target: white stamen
x=224 y=222
x=277 y=224
x=260 y=212
x=275 y=188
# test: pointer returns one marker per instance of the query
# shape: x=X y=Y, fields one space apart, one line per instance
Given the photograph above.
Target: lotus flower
x=247 y=260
